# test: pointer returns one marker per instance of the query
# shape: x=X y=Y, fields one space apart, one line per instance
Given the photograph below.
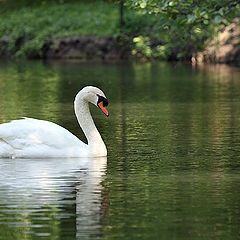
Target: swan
x=33 y=138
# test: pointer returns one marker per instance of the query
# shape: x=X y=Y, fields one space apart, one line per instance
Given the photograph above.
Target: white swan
x=32 y=138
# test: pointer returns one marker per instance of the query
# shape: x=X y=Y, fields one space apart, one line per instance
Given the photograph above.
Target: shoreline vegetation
x=86 y=30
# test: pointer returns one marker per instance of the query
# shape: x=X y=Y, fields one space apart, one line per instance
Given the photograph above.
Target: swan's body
x=32 y=138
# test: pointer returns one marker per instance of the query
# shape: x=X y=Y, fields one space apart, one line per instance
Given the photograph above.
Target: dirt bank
x=79 y=47
x=225 y=48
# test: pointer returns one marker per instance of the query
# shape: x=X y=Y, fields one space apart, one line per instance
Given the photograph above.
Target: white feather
x=32 y=138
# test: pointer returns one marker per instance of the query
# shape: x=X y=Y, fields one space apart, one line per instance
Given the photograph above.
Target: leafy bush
x=187 y=24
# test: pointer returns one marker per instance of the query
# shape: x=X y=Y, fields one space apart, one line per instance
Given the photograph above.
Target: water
x=173 y=139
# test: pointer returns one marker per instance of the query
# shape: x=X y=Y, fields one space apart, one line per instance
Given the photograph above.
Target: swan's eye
x=102 y=103
x=103 y=100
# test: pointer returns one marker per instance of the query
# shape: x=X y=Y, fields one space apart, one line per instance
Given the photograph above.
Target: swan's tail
x=6 y=150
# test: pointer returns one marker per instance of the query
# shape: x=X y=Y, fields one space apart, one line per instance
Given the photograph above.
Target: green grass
x=32 y=25
x=38 y=24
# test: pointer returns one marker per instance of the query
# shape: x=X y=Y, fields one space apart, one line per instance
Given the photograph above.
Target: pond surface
x=173 y=165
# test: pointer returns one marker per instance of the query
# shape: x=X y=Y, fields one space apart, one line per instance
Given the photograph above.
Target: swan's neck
x=95 y=142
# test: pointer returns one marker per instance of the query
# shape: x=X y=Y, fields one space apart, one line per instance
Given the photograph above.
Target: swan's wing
x=28 y=132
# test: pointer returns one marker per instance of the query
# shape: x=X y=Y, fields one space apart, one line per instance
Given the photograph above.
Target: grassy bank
x=34 y=25
x=28 y=27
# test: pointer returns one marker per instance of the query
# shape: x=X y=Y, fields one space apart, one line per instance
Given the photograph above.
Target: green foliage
x=187 y=24
x=143 y=48
x=10 y=5
x=153 y=28
x=192 y=10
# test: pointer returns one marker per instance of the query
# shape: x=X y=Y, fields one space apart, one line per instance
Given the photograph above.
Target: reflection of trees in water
x=169 y=125
x=28 y=89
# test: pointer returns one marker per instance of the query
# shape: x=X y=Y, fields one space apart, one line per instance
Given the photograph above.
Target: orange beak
x=104 y=109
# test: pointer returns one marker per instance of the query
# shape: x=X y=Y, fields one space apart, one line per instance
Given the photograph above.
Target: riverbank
x=224 y=48
x=78 y=47
x=28 y=31
x=71 y=30
x=91 y=30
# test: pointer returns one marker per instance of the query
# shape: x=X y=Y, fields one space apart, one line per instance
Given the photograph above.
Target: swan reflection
x=34 y=194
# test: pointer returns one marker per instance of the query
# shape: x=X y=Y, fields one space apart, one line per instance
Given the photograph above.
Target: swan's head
x=95 y=96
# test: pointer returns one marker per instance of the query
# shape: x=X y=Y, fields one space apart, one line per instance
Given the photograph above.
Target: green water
x=173 y=164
